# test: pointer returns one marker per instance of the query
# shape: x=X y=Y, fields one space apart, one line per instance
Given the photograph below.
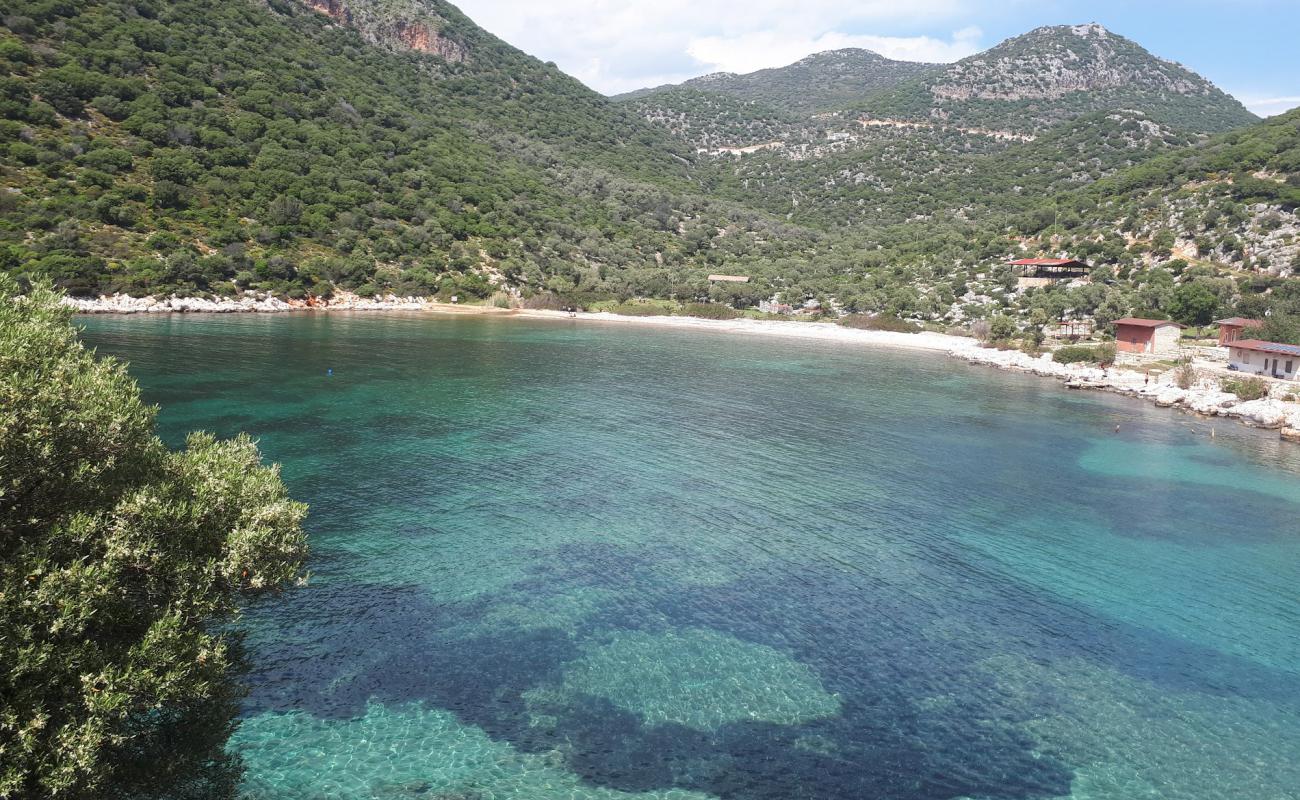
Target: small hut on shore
x=1151 y=336
x=1232 y=328
x=1256 y=357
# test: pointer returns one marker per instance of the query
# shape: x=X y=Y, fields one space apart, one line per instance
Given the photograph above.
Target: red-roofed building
x=1152 y=336
x=1049 y=271
x=1258 y=357
x=1231 y=329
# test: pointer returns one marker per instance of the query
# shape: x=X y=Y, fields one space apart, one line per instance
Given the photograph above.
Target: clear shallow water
x=565 y=560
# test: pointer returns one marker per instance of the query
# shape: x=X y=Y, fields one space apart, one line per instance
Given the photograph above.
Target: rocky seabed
x=1204 y=398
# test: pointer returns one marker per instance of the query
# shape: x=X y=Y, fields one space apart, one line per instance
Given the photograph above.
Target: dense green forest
x=212 y=148
x=145 y=152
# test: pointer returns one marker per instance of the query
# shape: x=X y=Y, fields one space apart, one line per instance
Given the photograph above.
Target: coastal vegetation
x=1247 y=388
x=878 y=322
x=144 y=155
x=1102 y=354
x=121 y=564
x=1280 y=327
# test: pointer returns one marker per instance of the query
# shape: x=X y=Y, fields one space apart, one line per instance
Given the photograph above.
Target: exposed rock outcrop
x=420 y=37
x=248 y=303
x=1051 y=75
x=399 y=25
x=1049 y=63
x=1204 y=398
x=331 y=8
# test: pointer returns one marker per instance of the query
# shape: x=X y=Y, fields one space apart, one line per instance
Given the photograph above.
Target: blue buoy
x=330 y=372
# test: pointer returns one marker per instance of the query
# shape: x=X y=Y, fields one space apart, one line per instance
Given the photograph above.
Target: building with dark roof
x=1049 y=271
x=1257 y=357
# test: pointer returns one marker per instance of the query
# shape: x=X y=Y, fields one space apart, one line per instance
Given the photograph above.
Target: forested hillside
x=711 y=121
x=205 y=146
x=302 y=146
x=994 y=136
x=821 y=82
x=1231 y=200
x=888 y=175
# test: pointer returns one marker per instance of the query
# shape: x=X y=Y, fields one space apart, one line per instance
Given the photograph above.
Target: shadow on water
x=917 y=719
x=878 y=747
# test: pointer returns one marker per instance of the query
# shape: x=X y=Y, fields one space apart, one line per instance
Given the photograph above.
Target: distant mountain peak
x=1060 y=72
x=843 y=52
x=1089 y=30
x=713 y=77
x=824 y=81
x=1051 y=62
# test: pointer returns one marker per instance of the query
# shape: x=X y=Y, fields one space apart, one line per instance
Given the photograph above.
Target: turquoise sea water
x=556 y=559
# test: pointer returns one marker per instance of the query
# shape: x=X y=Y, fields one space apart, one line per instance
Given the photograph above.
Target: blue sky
x=1247 y=47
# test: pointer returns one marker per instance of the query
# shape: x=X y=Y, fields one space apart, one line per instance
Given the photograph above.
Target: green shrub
x=23 y=153
x=544 y=301
x=123 y=563
x=710 y=311
x=1106 y=354
x=879 y=322
x=1102 y=354
x=636 y=310
x=1073 y=354
x=1002 y=327
x=1245 y=388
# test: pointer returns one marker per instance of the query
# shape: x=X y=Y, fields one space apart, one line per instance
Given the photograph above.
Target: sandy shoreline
x=820 y=331
x=823 y=331
x=1204 y=399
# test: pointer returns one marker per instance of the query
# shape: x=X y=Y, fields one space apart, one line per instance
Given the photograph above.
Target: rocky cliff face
x=396 y=24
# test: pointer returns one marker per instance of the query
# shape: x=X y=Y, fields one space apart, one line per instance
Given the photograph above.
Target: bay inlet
x=594 y=561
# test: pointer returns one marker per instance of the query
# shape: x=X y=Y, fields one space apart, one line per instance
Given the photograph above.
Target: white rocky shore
x=1204 y=397
x=341 y=301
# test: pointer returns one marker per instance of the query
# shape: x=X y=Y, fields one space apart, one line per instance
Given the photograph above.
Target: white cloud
x=619 y=45
x=1269 y=106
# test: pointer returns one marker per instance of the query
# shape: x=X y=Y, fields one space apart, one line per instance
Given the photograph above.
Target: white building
x=1255 y=357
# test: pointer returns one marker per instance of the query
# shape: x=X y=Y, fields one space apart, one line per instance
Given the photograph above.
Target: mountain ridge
x=818 y=82
x=1050 y=74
